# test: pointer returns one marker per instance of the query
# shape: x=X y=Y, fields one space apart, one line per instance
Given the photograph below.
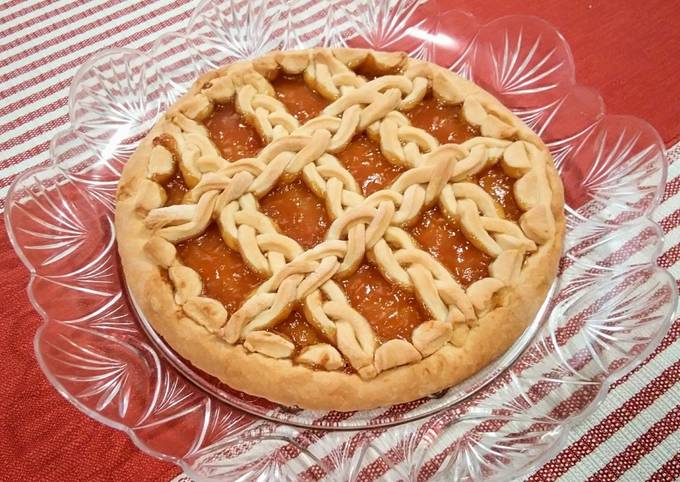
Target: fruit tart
x=339 y=229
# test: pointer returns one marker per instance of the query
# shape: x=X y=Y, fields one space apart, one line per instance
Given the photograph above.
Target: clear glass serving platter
x=609 y=307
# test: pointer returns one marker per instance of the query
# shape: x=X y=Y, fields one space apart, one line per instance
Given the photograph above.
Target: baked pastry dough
x=347 y=362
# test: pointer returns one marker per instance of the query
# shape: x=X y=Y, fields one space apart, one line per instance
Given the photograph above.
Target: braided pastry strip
x=291 y=151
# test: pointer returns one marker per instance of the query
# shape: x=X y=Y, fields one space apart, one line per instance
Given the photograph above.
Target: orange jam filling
x=445 y=122
x=175 y=189
x=390 y=310
x=444 y=240
x=370 y=70
x=364 y=160
x=298 y=213
x=301 y=101
x=298 y=330
x=226 y=277
x=229 y=131
x=499 y=186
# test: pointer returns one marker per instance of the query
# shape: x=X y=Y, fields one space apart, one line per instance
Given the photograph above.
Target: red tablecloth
x=629 y=50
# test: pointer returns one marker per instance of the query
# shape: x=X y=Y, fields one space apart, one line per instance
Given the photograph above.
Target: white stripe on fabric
x=31 y=13
x=672 y=238
x=626 y=390
x=106 y=42
x=673 y=203
x=49 y=20
x=634 y=429
x=17 y=149
x=652 y=461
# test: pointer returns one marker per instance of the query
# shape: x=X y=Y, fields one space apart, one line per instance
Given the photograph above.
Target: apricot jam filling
x=175 y=189
x=298 y=330
x=391 y=311
x=226 y=277
x=302 y=101
x=445 y=122
x=297 y=212
x=232 y=135
x=499 y=186
x=444 y=240
x=365 y=161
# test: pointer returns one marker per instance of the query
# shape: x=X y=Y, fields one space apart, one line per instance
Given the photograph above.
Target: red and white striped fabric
x=634 y=434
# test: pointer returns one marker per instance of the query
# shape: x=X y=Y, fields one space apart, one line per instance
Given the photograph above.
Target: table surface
x=628 y=50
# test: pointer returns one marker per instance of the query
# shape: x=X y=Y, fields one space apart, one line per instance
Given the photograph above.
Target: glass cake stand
x=609 y=307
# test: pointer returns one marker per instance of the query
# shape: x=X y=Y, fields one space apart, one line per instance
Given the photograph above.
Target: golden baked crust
x=469 y=327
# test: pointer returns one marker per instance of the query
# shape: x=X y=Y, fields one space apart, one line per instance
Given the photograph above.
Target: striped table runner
x=633 y=435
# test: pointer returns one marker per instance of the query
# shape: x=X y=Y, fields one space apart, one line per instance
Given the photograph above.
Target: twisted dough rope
x=366 y=223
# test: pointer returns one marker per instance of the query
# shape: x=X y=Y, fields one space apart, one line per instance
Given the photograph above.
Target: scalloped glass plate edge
x=590 y=146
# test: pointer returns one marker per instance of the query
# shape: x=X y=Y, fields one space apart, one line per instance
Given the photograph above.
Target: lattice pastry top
x=349 y=362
